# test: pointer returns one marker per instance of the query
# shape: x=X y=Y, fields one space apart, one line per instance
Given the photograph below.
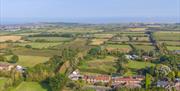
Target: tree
x=121 y=64
x=14 y=59
x=57 y=82
x=162 y=71
x=148 y=80
x=28 y=46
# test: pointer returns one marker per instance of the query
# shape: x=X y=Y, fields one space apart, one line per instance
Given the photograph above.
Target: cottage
x=94 y=79
x=6 y=67
x=162 y=83
x=75 y=75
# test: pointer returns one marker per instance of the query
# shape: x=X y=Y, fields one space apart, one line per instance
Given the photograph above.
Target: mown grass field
x=98 y=66
x=32 y=86
x=30 y=61
x=39 y=45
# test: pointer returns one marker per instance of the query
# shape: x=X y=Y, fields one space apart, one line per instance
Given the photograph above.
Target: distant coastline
x=92 y=20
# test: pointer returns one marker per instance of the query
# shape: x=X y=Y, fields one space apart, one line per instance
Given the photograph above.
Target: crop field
x=11 y=38
x=124 y=48
x=98 y=66
x=98 y=41
x=137 y=29
x=3 y=45
x=38 y=45
x=32 y=86
x=50 y=39
x=30 y=61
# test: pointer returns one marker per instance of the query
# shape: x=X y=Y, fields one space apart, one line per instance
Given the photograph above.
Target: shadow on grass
x=46 y=86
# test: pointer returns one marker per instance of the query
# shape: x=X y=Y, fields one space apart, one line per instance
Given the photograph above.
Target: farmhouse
x=6 y=67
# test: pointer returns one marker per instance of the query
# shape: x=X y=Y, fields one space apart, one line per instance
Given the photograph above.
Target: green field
x=32 y=86
x=144 y=47
x=173 y=43
x=167 y=36
x=51 y=39
x=139 y=65
x=30 y=61
x=103 y=35
x=39 y=45
x=124 y=48
x=98 y=66
x=172 y=48
x=2 y=82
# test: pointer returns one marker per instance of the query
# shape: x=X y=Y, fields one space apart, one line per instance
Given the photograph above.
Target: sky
x=88 y=8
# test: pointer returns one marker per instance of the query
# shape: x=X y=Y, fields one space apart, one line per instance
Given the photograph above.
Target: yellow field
x=98 y=41
x=2 y=46
x=137 y=29
x=12 y=38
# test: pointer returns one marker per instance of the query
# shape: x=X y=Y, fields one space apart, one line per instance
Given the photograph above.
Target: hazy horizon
x=92 y=11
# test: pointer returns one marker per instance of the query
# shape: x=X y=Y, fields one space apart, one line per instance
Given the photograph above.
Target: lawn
x=32 y=86
x=39 y=45
x=30 y=61
x=98 y=66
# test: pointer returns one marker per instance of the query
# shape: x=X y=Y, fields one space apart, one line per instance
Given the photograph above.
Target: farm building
x=6 y=67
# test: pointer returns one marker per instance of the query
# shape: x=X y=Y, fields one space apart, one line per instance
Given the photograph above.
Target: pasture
x=102 y=36
x=173 y=48
x=32 y=86
x=123 y=48
x=2 y=82
x=39 y=45
x=50 y=39
x=144 y=47
x=30 y=61
x=98 y=66
x=171 y=36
